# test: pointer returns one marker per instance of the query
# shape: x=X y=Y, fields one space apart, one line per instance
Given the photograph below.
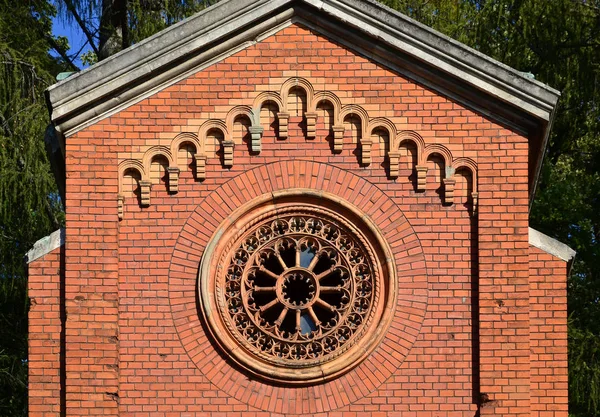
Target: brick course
x=472 y=316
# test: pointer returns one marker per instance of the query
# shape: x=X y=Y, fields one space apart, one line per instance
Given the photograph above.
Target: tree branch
x=80 y=49
x=90 y=37
x=61 y=52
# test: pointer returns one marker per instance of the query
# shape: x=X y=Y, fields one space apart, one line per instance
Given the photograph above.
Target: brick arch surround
x=411 y=302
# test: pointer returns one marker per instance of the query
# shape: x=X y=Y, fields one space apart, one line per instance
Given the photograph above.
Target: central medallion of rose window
x=298 y=290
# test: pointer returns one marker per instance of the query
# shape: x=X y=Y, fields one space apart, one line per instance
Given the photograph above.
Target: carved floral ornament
x=220 y=133
x=297 y=292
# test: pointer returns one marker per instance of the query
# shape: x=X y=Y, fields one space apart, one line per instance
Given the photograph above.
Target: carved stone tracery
x=299 y=287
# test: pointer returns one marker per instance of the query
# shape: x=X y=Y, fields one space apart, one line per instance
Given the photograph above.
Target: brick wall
x=135 y=343
x=45 y=335
x=548 y=318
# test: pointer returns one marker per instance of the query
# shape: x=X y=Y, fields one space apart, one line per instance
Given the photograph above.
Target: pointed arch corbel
x=309 y=115
x=448 y=181
x=293 y=83
x=266 y=96
x=365 y=140
x=394 y=154
x=337 y=128
x=172 y=170
x=282 y=116
x=143 y=183
x=237 y=111
x=184 y=137
x=226 y=143
x=181 y=139
x=332 y=99
x=132 y=164
x=154 y=151
x=127 y=165
x=255 y=129
x=440 y=150
x=471 y=166
x=383 y=124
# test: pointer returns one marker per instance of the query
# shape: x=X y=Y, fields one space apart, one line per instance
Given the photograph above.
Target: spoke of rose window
x=325 y=304
x=264 y=289
x=268 y=273
x=269 y=305
x=325 y=273
x=281 y=317
x=314 y=316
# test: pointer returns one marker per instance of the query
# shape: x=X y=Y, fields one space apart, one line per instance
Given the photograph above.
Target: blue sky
x=73 y=33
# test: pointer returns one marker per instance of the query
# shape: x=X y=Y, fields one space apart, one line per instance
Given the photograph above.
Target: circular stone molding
x=297 y=288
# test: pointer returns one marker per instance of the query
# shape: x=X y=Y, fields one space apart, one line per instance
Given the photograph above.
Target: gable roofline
x=381 y=34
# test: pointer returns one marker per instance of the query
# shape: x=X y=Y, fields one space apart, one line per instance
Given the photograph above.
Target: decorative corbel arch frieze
x=226 y=127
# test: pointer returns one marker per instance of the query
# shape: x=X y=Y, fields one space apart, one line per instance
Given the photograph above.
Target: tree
x=123 y=23
x=29 y=208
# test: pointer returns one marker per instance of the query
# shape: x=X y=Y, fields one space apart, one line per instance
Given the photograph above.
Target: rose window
x=296 y=289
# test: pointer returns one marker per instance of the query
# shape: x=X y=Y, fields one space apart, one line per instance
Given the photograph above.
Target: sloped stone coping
x=46 y=245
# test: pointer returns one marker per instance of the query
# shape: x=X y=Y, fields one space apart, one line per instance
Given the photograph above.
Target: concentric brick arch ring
x=303 y=285
x=319 y=187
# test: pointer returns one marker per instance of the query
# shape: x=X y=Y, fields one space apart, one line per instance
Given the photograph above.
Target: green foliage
x=584 y=371
x=89 y=58
x=28 y=210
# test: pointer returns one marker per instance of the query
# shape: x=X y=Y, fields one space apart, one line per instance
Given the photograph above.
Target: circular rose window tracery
x=297 y=292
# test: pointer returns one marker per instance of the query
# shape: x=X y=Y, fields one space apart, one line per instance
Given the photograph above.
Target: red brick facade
x=480 y=319
x=548 y=334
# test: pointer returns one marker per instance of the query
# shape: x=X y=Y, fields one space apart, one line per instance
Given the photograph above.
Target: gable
x=248 y=109
x=371 y=30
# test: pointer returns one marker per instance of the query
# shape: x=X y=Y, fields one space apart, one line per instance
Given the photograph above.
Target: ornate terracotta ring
x=297 y=287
